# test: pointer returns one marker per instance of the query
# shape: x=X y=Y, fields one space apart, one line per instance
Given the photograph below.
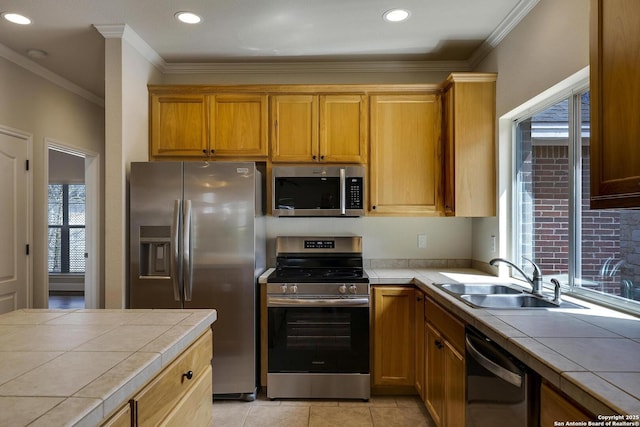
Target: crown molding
x=54 y=78
x=124 y=32
x=315 y=67
x=514 y=17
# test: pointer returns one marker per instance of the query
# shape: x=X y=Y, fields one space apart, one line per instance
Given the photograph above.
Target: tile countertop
x=75 y=367
x=591 y=355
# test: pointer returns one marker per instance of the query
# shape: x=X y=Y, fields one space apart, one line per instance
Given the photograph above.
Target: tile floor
x=387 y=411
x=65 y=300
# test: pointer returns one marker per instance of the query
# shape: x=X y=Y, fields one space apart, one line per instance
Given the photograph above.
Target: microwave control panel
x=355 y=190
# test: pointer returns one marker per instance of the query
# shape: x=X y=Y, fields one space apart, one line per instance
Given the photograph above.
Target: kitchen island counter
x=76 y=367
x=591 y=355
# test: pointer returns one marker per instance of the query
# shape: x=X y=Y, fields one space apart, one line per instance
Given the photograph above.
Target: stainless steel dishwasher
x=500 y=388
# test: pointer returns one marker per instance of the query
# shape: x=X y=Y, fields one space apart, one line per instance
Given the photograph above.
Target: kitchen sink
x=478 y=288
x=514 y=301
x=500 y=296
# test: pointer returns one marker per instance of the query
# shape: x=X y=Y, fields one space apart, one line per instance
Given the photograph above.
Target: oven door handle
x=311 y=302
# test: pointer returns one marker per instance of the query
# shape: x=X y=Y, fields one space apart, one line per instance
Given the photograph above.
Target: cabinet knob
x=204 y=152
x=213 y=151
x=321 y=157
x=438 y=344
x=418 y=298
x=188 y=375
x=373 y=207
x=314 y=157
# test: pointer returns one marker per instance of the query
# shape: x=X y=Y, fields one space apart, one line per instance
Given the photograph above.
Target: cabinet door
x=394 y=345
x=454 y=387
x=420 y=347
x=343 y=128
x=469 y=106
x=554 y=407
x=615 y=103
x=178 y=125
x=434 y=384
x=294 y=128
x=238 y=124
x=405 y=155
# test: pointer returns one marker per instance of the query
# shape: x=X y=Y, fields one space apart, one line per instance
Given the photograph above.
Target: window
x=592 y=252
x=66 y=228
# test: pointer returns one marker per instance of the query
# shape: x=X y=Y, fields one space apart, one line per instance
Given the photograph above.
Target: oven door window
x=307 y=193
x=321 y=340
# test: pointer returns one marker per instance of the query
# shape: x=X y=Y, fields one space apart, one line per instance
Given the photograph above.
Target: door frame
x=92 y=216
x=27 y=138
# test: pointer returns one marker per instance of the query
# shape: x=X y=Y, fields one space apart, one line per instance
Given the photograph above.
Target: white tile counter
x=591 y=355
x=75 y=367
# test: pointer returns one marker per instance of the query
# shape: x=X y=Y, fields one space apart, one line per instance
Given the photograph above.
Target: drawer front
x=164 y=392
x=196 y=407
x=449 y=326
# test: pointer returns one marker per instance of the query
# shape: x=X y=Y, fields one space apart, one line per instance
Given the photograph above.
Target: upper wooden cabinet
x=469 y=105
x=319 y=128
x=205 y=125
x=238 y=125
x=405 y=155
x=615 y=104
x=178 y=125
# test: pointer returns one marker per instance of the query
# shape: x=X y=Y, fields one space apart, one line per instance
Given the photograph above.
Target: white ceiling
x=242 y=31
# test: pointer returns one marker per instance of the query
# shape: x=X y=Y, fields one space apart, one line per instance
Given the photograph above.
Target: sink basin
x=514 y=302
x=478 y=288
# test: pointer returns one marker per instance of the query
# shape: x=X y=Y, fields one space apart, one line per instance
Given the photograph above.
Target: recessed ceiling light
x=188 y=17
x=395 y=15
x=16 y=18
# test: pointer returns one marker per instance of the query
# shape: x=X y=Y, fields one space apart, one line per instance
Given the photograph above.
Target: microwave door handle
x=343 y=192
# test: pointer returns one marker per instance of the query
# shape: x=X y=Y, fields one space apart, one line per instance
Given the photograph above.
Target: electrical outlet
x=422 y=241
x=492 y=244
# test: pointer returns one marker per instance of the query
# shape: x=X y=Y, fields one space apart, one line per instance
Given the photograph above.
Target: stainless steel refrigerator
x=197 y=240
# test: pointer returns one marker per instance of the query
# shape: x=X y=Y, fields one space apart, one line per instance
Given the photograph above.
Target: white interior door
x=14 y=222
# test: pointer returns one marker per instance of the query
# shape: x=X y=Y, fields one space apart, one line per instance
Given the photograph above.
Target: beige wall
x=127 y=116
x=549 y=45
x=34 y=105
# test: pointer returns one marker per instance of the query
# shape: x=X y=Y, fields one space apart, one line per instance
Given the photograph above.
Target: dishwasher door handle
x=491 y=366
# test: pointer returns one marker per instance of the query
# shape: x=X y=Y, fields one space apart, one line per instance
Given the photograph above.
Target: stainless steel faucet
x=535 y=280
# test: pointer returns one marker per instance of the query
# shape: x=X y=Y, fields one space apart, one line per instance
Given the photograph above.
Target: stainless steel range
x=318 y=316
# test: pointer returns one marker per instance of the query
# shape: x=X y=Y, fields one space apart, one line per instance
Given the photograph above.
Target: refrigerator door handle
x=343 y=192
x=175 y=258
x=187 y=263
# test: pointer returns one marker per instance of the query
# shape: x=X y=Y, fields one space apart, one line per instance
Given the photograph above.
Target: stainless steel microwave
x=318 y=191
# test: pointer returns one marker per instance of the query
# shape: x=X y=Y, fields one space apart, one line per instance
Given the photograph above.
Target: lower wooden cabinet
x=122 y=418
x=445 y=366
x=393 y=337
x=555 y=407
x=419 y=360
x=181 y=394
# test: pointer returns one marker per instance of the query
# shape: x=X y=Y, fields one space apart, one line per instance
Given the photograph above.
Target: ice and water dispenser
x=155 y=251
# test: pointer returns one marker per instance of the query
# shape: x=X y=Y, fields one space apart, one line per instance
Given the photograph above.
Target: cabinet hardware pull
x=321 y=157
x=313 y=157
x=213 y=152
x=438 y=344
x=188 y=375
x=204 y=152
